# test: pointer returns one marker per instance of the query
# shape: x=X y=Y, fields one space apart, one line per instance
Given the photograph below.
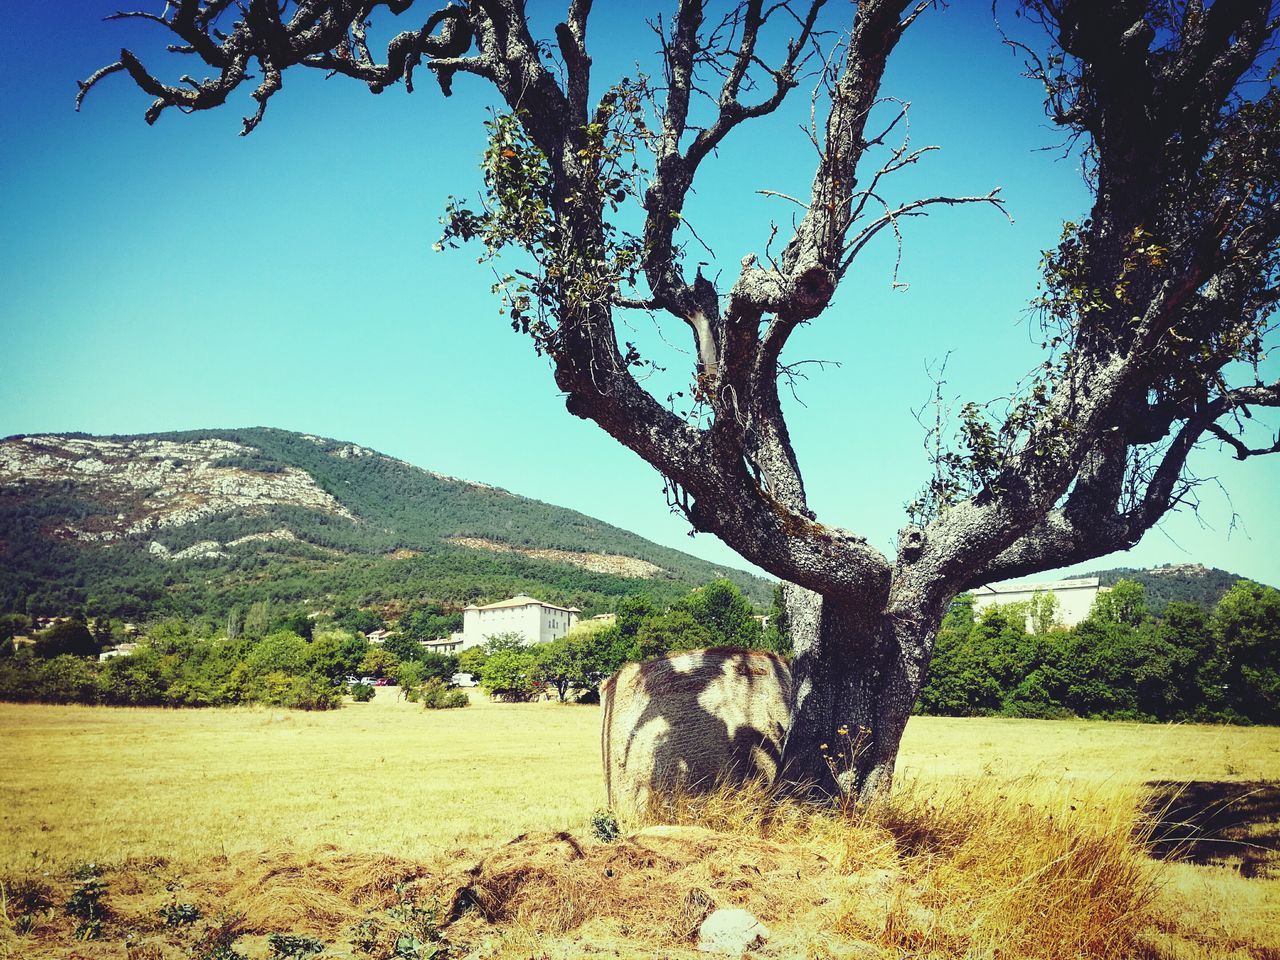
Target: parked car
x=381 y=682
x=464 y=680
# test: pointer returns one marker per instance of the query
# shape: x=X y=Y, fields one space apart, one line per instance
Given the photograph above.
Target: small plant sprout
x=604 y=826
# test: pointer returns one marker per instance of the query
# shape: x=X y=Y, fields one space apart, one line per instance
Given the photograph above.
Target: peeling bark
x=856 y=675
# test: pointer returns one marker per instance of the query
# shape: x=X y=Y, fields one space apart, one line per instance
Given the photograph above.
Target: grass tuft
x=978 y=869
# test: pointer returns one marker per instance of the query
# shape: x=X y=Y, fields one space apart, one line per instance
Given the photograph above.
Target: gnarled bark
x=856 y=674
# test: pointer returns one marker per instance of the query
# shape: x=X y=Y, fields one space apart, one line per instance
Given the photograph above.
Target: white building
x=450 y=644
x=1075 y=597
x=533 y=620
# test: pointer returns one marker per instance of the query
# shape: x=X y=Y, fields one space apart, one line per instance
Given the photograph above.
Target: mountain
x=197 y=522
x=1188 y=582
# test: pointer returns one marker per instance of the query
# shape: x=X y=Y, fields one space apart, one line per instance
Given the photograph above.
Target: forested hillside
x=201 y=522
x=1183 y=582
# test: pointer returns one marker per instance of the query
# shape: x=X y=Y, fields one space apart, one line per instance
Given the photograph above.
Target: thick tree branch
x=571 y=35
x=1174 y=267
x=1089 y=526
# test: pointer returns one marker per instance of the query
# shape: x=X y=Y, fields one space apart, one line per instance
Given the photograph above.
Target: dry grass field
x=382 y=829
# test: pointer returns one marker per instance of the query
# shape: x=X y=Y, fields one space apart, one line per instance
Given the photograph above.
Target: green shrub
x=16 y=680
x=508 y=673
x=65 y=679
x=85 y=902
x=436 y=695
x=195 y=692
x=361 y=692
x=417 y=927
x=68 y=638
x=288 y=947
x=136 y=680
x=312 y=692
x=177 y=914
x=604 y=825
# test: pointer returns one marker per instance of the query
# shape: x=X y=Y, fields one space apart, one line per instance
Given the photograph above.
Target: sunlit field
x=288 y=822
x=89 y=783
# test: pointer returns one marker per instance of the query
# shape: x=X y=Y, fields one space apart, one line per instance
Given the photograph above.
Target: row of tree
x=261 y=657
x=1015 y=660
x=1120 y=662
x=173 y=665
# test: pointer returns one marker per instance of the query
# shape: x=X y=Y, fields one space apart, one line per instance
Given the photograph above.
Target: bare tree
x=1155 y=307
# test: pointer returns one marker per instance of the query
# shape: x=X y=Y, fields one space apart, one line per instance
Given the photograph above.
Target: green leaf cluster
x=175 y=665
x=572 y=266
x=1120 y=662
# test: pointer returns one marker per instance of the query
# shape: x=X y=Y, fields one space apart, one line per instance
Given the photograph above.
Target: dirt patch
x=663 y=880
x=655 y=886
x=615 y=565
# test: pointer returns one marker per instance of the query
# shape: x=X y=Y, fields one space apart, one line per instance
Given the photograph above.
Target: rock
x=152 y=484
x=731 y=933
x=614 y=564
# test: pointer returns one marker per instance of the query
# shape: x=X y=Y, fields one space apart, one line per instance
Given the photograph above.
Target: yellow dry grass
x=1004 y=839
x=93 y=783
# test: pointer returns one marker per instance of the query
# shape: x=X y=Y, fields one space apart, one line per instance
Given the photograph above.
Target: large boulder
x=691 y=721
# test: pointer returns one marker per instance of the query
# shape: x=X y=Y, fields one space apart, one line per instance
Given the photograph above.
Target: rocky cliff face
x=196 y=522
x=154 y=484
x=596 y=562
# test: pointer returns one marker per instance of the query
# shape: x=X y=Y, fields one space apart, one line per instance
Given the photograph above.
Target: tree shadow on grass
x=1218 y=823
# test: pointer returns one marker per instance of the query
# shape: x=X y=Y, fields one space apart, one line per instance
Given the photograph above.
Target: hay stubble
x=1007 y=838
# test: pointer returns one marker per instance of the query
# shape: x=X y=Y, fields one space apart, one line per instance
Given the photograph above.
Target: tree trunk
x=856 y=676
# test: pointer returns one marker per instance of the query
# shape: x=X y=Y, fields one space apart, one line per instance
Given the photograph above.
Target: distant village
x=536 y=621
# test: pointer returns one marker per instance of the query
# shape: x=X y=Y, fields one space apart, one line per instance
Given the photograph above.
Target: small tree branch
x=1242 y=450
x=914 y=209
x=326 y=36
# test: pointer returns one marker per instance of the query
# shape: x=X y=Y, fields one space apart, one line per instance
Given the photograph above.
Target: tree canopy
x=1120 y=662
x=1155 y=306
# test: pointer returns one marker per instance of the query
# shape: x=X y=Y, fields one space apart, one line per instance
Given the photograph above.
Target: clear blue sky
x=179 y=276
